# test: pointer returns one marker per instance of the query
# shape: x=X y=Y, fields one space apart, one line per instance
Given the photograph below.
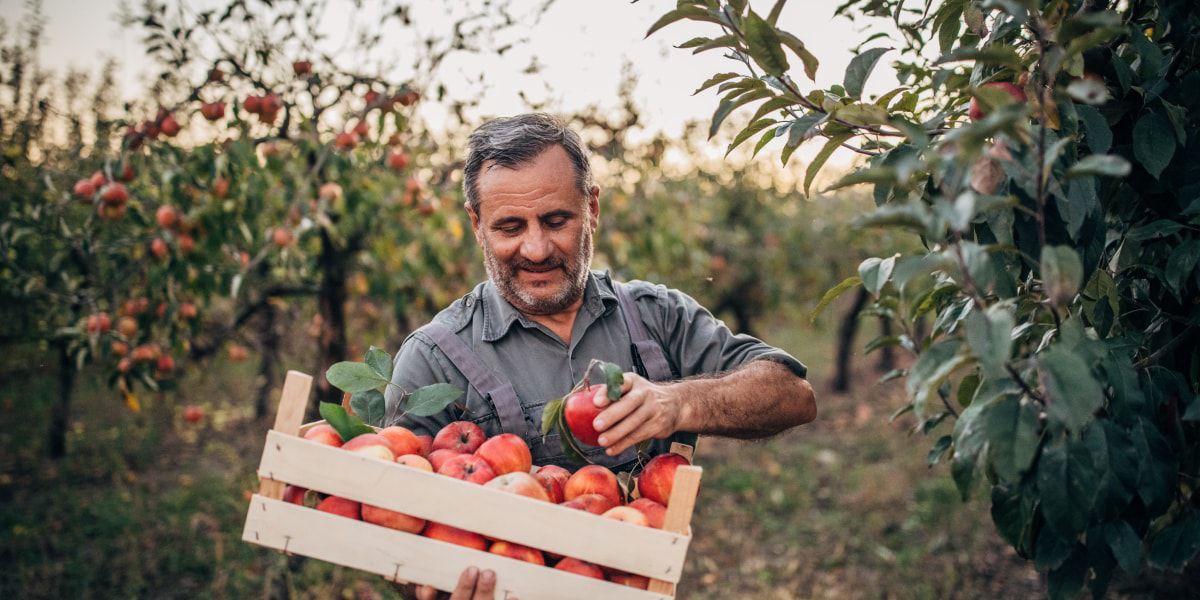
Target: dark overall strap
x=646 y=349
x=649 y=353
x=483 y=379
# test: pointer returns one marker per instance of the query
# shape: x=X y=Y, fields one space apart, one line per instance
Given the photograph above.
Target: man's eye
x=556 y=222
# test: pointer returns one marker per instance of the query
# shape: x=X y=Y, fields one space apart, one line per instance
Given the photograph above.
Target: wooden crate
x=289 y=459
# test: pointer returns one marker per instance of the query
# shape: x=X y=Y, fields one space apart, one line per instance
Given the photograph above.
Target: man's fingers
x=614 y=415
x=486 y=588
x=644 y=432
x=627 y=424
x=466 y=585
x=601 y=396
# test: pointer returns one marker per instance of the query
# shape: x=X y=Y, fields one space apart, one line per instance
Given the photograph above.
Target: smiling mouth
x=540 y=269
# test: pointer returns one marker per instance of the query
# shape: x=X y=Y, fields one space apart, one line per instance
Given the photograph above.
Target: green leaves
x=1108 y=165
x=831 y=294
x=1153 y=143
x=613 y=378
x=859 y=69
x=431 y=399
x=355 y=377
x=1176 y=545
x=370 y=406
x=348 y=426
x=1073 y=393
x=819 y=160
x=764 y=45
x=1067 y=480
x=1062 y=273
x=875 y=272
x=1013 y=436
x=989 y=335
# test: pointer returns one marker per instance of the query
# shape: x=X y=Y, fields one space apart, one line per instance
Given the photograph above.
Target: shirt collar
x=499 y=316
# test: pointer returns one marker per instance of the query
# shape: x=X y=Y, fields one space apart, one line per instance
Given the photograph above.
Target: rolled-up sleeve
x=700 y=343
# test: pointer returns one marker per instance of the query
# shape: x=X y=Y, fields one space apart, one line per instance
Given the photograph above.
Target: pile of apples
x=462 y=450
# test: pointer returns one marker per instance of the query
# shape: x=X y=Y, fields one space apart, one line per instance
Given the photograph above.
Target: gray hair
x=515 y=141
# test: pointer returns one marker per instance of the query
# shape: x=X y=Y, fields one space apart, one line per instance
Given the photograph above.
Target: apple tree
x=1043 y=151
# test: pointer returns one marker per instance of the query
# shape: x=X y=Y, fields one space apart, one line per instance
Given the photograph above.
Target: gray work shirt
x=541 y=367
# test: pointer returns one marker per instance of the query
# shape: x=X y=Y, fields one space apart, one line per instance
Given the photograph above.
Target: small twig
x=1164 y=350
x=1024 y=386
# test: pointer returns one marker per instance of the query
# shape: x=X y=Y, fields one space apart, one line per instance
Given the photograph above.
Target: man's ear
x=594 y=205
x=474 y=221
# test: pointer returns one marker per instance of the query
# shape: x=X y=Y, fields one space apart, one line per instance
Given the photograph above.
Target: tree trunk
x=846 y=333
x=60 y=411
x=887 y=354
x=332 y=347
x=268 y=369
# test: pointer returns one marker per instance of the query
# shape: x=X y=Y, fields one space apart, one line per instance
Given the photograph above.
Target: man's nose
x=536 y=246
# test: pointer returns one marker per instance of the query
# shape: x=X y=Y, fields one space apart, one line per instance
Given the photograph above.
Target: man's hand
x=472 y=585
x=647 y=410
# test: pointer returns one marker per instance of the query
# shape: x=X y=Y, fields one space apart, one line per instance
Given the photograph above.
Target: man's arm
x=759 y=399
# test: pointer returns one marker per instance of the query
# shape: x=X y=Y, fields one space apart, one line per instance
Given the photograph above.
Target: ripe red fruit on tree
x=187 y=310
x=518 y=552
x=125 y=364
x=655 y=512
x=216 y=75
x=658 y=477
x=506 y=453
x=212 y=111
x=169 y=126
x=468 y=467
x=115 y=194
x=127 y=326
x=580 y=412
x=346 y=140
x=166 y=216
x=574 y=565
x=252 y=104
x=371 y=97
x=220 y=187
x=402 y=440
x=437 y=458
x=119 y=348
x=281 y=237
x=361 y=129
x=324 y=434
x=165 y=364
x=159 y=248
x=99 y=323
x=397 y=161
x=371 y=444
x=341 y=506
x=98 y=180
x=593 y=503
x=193 y=413
x=454 y=535
x=186 y=243
x=593 y=479
x=521 y=484
x=409 y=98
x=392 y=519
x=302 y=67
x=84 y=189
x=463 y=437
x=976 y=111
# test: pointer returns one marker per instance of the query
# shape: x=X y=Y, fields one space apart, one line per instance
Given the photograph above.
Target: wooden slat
x=680 y=506
x=500 y=515
x=398 y=555
x=288 y=417
x=683 y=450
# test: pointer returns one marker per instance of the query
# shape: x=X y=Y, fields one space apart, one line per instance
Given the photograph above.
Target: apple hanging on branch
x=365 y=382
x=573 y=415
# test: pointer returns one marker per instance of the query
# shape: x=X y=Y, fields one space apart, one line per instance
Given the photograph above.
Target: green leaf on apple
x=348 y=426
x=353 y=377
x=613 y=378
x=550 y=414
x=380 y=362
x=432 y=399
x=370 y=406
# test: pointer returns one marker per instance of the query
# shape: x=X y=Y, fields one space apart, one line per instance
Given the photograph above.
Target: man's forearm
x=758 y=400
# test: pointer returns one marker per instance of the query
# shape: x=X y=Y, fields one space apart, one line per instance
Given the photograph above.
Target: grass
x=147 y=506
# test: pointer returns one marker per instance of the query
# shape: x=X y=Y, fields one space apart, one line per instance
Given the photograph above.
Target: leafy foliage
x=366 y=381
x=1060 y=262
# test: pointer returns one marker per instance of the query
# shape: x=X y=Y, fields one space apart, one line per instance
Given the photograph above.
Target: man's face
x=536 y=232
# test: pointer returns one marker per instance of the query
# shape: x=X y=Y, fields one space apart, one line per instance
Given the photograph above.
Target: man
x=527 y=334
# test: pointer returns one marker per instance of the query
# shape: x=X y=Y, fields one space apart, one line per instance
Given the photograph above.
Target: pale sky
x=580 y=44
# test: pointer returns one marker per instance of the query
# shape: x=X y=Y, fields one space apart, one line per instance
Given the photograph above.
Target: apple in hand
x=659 y=475
x=580 y=411
x=506 y=453
x=593 y=479
x=463 y=437
x=467 y=467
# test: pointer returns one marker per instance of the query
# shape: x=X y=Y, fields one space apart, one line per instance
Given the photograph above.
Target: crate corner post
x=288 y=417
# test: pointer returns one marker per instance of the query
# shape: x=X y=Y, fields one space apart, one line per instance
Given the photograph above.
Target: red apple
x=212 y=110
x=346 y=140
x=324 y=434
x=463 y=437
x=252 y=104
x=627 y=514
x=467 y=467
x=114 y=194
x=84 y=189
x=159 y=248
x=294 y=494
x=193 y=413
x=392 y=519
x=437 y=458
x=341 y=506
x=574 y=565
x=426 y=444
x=454 y=535
x=402 y=440
x=166 y=216
x=518 y=552
x=553 y=486
x=169 y=126
x=522 y=484
x=282 y=237
x=659 y=475
x=593 y=503
x=580 y=411
x=371 y=444
x=302 y=67
x=99 y=323
x=398 y=161
x=635 y=581
x=506 y=453
x=976 y=112
x=655 y=512
x=593 y=479
x=415 y=461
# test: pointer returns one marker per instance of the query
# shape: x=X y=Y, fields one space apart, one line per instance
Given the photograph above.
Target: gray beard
x=504 y=277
